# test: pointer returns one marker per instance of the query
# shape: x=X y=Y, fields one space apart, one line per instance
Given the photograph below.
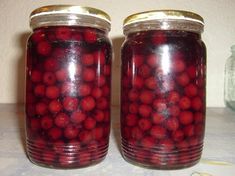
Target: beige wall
x=219 y=35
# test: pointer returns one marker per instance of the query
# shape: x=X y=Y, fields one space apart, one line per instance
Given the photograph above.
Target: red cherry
x=99 y=115
x=193 y=141
x=199 y=130
x=71 y=132
x=178 y=135
x=48 y=157
x=41 y=108
x=183 y=79
x=90 y=36
x=186 y=117
x=173 y=97
x=84 y=158
x=192 y=72
x=191 y=90
x=44 y=48
x=88 y=74
x=36 y=76
x=178 y=64
x=55 y=106
x=151 y=83
x=107 y=70
x=158 y=132
x=78 y=117
x=69 y=89
x=137 y=82
x=189 y=130
x=106 y=91
x=185 y=103
x=39 y=90
x=61 y=75
x=59 y=53
x=198 y=117
x=96 y=92
x=66 y=159
x=70 y=103
x=182 y=145
x=62 y=120
x=77 y=37
x=97 y=133
x=145 y=110
x=51 y=64
x=87 y=59
x=133 y=95
x=99 y=57
x=144 y=124
x=35 y=124
x=52 y=92
x=49 y=78
x=146 y=97
x=196 y=103
x=144 y=71
x=174 y=110
x=167 y=84
x=138 y=60
x=153 y=60
x=63 y=33
x=102 y=103
x=160 y=105
x=88 y=103
x=167 y=144
x=136 y=133
x=157 y=118
x=40 y=143
x=85 y=136
x=148 y=142
x=172 y=124
x=133 y=108
x=55 y=133
x=38 y=35
x=46 y=122
x=89 y=123
x=158 y=38
x=130 y=120
x=84 y=90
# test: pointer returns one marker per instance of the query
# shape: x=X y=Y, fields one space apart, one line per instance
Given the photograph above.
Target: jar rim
x=163 y=15
x=163 y=20
x=72 y=12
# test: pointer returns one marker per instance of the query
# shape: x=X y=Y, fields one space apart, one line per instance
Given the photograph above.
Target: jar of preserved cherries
x=163 y=89
x=68 y=78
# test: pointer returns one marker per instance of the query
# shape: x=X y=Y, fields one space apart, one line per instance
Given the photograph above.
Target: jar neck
x=168 y=33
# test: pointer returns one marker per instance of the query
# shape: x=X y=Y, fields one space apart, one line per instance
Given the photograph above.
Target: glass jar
x=163 y=89
x=229 y=89
x=68 y=78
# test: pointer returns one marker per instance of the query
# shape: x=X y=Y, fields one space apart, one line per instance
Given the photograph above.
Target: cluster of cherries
x=68 y=96
x=163 y=99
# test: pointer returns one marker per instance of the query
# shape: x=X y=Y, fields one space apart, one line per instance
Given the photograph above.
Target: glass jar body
x=229 y=89
x=163 y=98
x=68 y=79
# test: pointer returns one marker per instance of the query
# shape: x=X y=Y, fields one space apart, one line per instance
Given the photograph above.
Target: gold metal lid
x=70 y=15
x=160 y=16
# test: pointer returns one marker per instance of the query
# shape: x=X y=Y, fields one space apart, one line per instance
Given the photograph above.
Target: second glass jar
x=163 y=89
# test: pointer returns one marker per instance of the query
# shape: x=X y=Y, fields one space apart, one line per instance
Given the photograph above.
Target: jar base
x=65 y=156
x=161 y=157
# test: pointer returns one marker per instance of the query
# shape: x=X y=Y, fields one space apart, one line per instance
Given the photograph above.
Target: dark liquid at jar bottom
x=68 y=96
x=163 y=99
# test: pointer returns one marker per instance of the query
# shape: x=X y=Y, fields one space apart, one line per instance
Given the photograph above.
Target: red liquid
x=68 y=96
x=163 y=98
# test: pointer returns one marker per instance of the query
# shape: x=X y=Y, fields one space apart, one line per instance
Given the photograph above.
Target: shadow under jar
x=68 y=77
x=163 y=89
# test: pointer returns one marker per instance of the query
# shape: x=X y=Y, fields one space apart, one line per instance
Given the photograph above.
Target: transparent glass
x=68 y=81
x=229 y=89
x=163 y=98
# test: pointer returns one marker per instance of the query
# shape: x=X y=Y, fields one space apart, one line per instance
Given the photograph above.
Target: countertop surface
x=218 y=158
